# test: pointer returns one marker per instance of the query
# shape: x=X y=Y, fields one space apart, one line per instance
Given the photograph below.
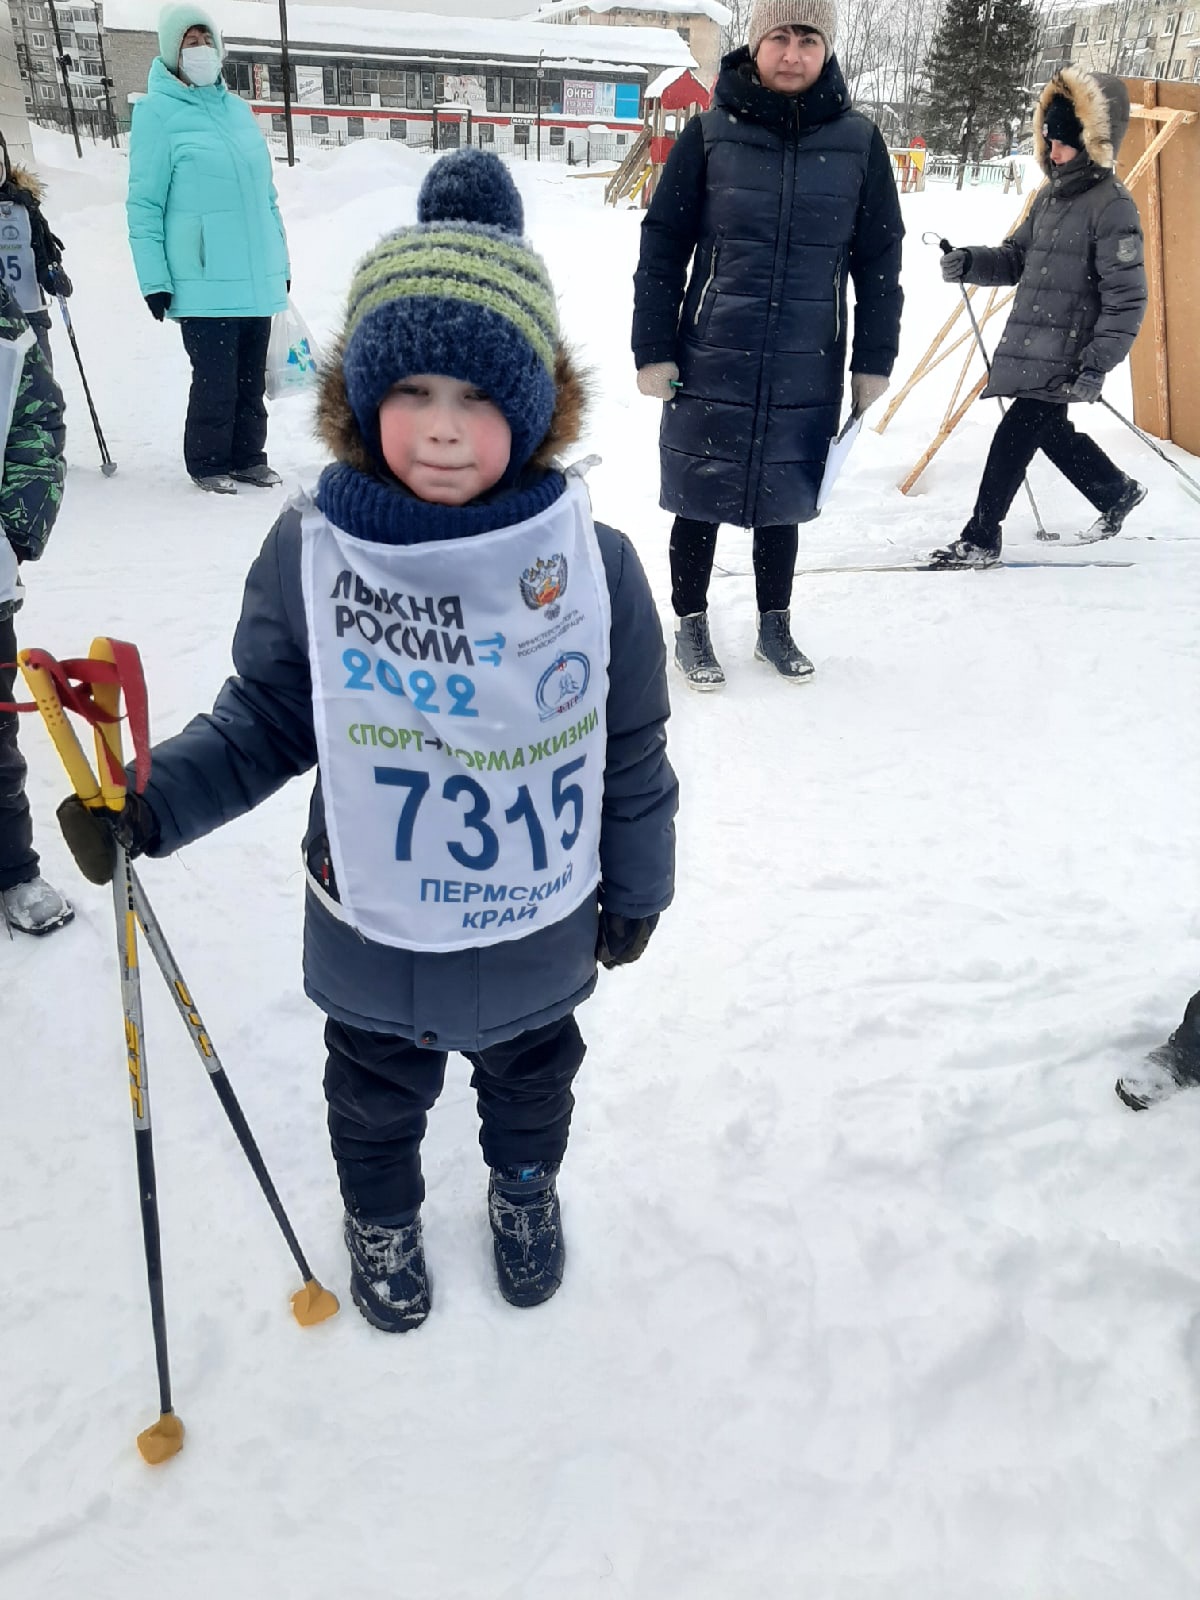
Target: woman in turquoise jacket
x=208 y=245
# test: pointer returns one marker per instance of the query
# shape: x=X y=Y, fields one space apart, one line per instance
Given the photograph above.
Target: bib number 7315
x=482 y=850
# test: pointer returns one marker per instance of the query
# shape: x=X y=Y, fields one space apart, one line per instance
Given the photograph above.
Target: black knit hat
x=1060 y=123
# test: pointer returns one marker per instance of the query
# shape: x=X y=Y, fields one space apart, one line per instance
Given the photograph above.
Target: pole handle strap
x=71 y=686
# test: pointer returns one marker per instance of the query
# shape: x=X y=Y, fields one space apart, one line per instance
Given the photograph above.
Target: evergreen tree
x=976 y=71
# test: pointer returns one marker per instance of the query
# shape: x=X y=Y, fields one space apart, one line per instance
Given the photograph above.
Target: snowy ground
x=875 y=1291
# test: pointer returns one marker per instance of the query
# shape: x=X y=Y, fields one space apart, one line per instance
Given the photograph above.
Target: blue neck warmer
x=367 y=508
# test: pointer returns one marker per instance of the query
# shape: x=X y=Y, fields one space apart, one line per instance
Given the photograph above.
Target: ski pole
x=945 y=246
x=107 y=465
x=163 y=1438
x=312 y=1303
x=1154 y=445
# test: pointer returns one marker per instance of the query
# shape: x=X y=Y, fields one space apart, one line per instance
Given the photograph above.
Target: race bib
x=459 y=693
x=18 y=270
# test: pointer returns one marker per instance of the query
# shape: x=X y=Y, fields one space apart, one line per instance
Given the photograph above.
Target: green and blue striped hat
x=461 y=294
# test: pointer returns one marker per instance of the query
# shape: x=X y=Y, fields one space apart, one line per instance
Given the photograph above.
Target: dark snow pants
x=18 y=858
x=694 y=546
x=1027 y=427
x=226 y=427
x=379 y=1088
x=39 y=321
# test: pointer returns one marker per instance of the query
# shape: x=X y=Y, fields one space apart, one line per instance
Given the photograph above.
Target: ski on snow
x=921 y=566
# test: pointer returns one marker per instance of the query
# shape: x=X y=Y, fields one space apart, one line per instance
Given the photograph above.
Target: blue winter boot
x=526 y=1232
x=388 y=1282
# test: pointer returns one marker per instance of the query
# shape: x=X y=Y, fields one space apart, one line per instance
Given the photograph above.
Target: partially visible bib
x=18 y=269
x=459 y=692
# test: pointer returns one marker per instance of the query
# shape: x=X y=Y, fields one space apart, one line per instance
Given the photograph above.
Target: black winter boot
x=1113 y=519
x=388 y=1282
x=776 y=646
x=1173 y=1066
x=694 y=654
x=527 y=1236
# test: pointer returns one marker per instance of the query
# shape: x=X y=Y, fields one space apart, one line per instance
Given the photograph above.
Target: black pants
x=1027 y=427
x=18 y=858
x=226 y=427
x=379 y=1088
x=693 y=546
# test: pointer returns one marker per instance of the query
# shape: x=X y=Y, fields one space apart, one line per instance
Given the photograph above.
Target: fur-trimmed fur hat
x=462 y=294
x=174 y=21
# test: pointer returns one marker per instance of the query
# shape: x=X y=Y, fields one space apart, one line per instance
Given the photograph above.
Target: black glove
x=1087 y=385
x=92 y=836
x=56 y=282
x=623 y=939
x=159 y=302
x=955 y=265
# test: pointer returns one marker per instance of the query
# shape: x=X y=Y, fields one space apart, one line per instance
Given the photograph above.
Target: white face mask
x=200 y=64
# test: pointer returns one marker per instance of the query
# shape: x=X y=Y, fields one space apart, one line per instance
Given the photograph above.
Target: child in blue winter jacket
x=477 y=671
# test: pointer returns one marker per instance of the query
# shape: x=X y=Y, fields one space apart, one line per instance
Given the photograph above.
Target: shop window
x=492 y=89
x=354 y=127
x=318 y=124
x=487 y=133
x=427 y=88
x=278 y=122
x=558 y=136
x=240 y=78
x=520 y=133
x=398 y=128
x=331 y=87
x=506 y=94
x=275 y=82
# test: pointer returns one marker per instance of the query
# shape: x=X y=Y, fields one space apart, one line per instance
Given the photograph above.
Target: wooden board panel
x=1179 y=245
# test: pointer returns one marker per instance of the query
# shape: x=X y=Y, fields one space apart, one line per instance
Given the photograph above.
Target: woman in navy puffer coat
x=777 y=196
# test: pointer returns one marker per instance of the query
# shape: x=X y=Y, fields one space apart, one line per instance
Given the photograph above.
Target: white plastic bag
x=292 y=359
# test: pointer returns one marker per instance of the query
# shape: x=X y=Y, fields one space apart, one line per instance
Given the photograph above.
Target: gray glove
x=955 y=265
x=865 y=389
x=656 y=380
x=1087 y=385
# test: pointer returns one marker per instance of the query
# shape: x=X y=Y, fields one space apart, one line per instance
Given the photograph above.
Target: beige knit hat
x=819 y=15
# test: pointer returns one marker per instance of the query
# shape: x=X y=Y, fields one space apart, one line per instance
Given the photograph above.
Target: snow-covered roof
x=713 y=9
x=413 y=34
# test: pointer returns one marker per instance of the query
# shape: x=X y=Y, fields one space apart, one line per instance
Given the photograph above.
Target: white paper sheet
x=839 y=449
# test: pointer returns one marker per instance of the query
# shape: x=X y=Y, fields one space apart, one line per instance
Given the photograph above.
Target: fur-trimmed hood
x=22 y=178
x=1102 y=105
x=336 y=424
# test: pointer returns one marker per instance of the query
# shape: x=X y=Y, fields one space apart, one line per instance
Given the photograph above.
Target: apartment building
x=80 y=25
x=1136 y=40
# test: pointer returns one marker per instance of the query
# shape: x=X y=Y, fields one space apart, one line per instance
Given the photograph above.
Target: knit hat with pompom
x=461 y=294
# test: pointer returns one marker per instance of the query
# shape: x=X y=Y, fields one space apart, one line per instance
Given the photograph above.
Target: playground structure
x=1166 y=373
x=672 y=100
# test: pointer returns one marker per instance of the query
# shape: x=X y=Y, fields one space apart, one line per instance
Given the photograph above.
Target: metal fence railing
x=946 y=169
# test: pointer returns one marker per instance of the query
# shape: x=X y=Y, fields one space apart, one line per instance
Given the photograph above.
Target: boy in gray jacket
x=477 y=670
x=1081 y=296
